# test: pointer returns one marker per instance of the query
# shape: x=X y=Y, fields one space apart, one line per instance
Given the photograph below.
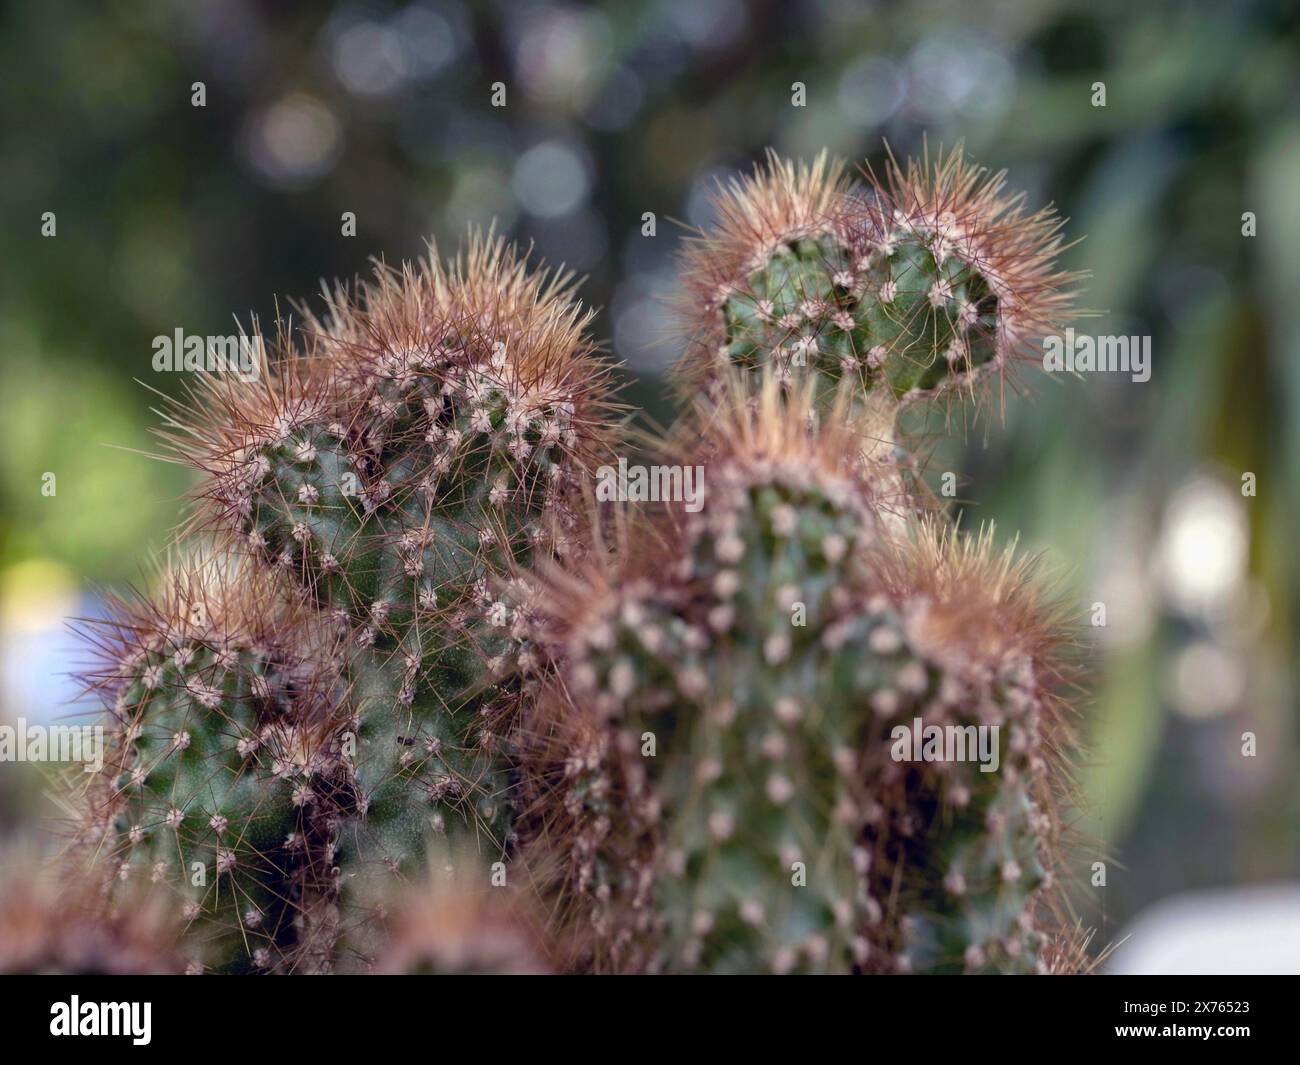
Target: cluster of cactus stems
x=410 y=700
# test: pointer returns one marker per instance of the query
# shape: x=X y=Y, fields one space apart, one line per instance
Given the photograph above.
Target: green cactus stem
x=424 y=439
x=749 y=664
x=218 y=738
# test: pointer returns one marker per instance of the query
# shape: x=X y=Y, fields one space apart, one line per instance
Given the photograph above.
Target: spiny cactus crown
x=909 y=288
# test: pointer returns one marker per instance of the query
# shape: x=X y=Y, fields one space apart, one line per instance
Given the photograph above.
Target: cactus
x=419 y=652
x=423 y=436
x=220 y=702
x=970 y=858
x=923 y=285
x=740 y=672
x=690 y=647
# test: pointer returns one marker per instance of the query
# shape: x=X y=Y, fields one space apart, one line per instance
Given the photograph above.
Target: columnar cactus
x=422 y=651
x=423 y=436
x=966 y=851
x=706 y=654
x=747 y=666
x=219 y=735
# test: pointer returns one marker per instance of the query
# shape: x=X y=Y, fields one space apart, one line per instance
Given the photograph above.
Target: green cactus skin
x=901 y=314
x=757 y=873
x=190 y=796
x=775 y=748
x=754 y=764
x=919 y=287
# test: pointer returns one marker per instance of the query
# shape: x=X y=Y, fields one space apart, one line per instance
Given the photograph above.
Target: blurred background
x=172 y=216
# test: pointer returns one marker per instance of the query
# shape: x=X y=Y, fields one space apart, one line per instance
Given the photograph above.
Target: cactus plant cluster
x=420 y=703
